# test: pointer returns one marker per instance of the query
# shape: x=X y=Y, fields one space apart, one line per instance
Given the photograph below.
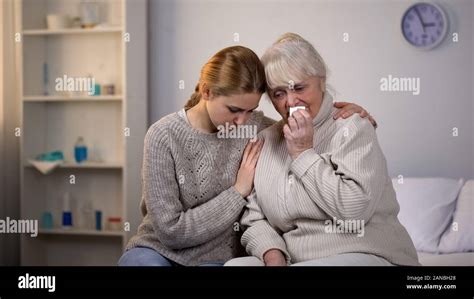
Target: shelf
x=103 y=98
x=83 y=232
x=87 y=165
x=72 y=31
x=53 y=122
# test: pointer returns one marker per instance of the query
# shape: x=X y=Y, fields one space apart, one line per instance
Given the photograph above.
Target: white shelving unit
x=72 y=98
x=90 y=165
x=72 y=31
x=113 y=127
x=81 y=232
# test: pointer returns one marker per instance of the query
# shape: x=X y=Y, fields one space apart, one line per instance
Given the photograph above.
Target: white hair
x=292 y=58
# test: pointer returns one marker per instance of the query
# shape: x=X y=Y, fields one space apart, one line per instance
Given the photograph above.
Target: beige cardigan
x=310 y=208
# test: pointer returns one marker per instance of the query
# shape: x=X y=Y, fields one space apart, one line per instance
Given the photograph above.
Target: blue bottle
x=96 y=90
x=80 y=150
x=98 y=220
x=47 y=220
x=67 y=214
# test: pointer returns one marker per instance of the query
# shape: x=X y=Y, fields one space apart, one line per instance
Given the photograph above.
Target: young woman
x=196 y=180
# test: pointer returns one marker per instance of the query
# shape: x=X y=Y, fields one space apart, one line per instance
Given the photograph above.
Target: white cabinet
x=112 y=125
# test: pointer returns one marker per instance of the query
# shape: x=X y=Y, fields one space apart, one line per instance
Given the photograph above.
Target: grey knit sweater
x=188 y=200
x=336 y=197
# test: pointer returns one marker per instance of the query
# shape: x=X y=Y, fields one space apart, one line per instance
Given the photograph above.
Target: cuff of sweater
x=263 y=239
x=235 y=198
x=304 y=161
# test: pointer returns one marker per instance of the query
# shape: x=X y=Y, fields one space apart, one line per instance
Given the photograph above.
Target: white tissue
x=293 y=109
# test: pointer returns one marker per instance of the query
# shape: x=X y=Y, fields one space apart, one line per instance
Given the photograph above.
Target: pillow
x=459 y=236
x=426 y=208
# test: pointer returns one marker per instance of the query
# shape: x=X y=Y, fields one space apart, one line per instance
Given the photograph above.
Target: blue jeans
x=143 y=256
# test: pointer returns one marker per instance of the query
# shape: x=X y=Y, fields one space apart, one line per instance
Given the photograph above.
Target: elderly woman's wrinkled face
x=308 y=93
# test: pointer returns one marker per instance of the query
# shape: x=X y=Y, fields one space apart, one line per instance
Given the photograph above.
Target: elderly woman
x=322 y=192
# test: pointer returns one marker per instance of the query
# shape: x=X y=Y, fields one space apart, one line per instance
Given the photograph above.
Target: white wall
x=415 y=131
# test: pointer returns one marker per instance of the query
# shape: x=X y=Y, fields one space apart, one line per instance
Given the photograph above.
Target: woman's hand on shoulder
x=246 y=174
x=347 y=109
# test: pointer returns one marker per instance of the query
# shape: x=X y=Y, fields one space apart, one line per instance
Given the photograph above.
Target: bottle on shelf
x=67 y=213
x=93 y=88
x=108 y=88
x=87 y=212
x=89 y=14
x=96 y=89
x=98 y=220
x=47 y=220
x=80 y=150
x=114 y=223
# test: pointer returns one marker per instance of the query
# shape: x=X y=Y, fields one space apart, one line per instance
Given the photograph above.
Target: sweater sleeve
x=348 y=182
x=259 y=235
x=176 y=227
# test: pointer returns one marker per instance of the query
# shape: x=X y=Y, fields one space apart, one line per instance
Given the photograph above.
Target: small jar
x=110 y=89
x=89 y=13
x=114 y=223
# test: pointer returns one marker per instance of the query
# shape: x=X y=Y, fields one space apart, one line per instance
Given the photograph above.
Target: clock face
x=424 y=25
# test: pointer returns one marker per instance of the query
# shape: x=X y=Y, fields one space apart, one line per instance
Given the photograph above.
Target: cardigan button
x=291 y=179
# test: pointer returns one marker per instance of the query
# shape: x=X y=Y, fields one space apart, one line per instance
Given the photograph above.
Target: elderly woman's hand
x=299 y=133
x=274 y=257
x=347 y=109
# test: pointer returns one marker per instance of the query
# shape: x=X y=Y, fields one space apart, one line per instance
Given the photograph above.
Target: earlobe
x=205 y=92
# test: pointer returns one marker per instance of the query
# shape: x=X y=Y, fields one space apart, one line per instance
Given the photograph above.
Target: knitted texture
x=188 y=202
x=334 y=198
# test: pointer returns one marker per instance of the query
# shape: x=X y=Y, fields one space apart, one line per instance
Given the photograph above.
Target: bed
x=448 y=259
x=438 y=214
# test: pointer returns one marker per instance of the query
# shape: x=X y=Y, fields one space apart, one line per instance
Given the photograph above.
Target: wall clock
x=424 y=25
